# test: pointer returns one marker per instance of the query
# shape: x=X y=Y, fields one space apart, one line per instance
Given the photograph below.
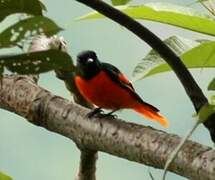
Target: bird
x=103 y=85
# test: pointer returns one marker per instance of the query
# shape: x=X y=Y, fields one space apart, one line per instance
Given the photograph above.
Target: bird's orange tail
x=152 y=113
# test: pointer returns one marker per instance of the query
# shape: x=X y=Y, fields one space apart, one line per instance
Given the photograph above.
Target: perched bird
x=103 y=85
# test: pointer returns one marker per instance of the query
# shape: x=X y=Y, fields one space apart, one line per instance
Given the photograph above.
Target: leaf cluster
x=32 y=23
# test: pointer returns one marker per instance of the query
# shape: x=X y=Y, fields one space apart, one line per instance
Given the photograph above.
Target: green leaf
x=166 y=13
x=4 y=177
x=201 y=56
x=8 y=7
x=153 y=63
x=1 y=70
x=37 y=62
x=213 y=100
x=43 y=6
x=211 y=86
x=200 y=1
x=26 y=28
x=119 y=2
x=206 y=111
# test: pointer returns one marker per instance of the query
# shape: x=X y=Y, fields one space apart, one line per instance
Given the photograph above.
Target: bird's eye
x=90 y=60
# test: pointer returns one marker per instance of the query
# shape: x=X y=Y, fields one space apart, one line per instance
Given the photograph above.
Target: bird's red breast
x=102 y=91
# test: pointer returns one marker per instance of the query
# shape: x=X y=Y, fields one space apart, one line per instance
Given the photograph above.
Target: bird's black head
x=88 y=64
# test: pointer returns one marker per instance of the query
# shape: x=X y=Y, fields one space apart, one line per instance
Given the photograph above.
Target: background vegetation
x=29 y=152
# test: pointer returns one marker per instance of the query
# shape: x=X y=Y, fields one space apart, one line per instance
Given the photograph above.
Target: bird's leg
x=113 y=111
x=94 y=112
x=110 y=114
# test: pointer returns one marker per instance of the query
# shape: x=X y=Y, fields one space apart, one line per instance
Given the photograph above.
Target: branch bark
x=145 y=145
x=191 y=87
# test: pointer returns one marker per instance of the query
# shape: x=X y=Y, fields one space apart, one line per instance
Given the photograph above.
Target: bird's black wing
x=115 y=74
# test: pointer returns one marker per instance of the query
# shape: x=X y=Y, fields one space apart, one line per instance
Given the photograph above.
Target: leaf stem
x=208 y=7
x=178 y=148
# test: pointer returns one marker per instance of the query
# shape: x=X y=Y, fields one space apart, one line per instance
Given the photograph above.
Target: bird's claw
x=100 y=113
x=96 y=111
x=108 y=115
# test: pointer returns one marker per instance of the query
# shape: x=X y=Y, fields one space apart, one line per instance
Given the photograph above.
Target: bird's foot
x=95 y=112
x=109 y=115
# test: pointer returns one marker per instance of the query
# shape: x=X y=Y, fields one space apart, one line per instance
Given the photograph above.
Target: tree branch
x=134 y=142
x=87 y=169
x=191 y=87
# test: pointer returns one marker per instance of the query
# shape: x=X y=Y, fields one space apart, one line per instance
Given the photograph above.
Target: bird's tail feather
x=150 y=112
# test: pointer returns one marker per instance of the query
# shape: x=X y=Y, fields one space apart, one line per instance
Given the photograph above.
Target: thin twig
x=193 y=90
x=178 y=148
